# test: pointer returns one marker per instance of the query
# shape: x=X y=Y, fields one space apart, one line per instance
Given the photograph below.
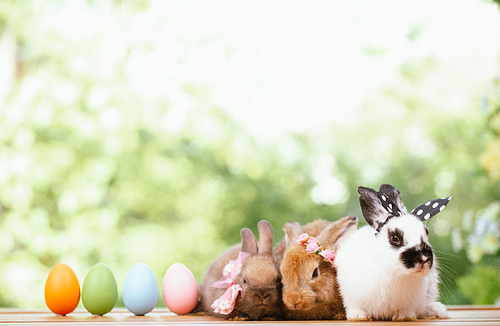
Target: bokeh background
x=153 y=131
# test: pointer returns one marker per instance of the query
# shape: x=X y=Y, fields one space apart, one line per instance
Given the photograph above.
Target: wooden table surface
x=459 y=315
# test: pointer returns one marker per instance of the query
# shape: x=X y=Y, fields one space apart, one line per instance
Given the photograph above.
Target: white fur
x=375 y=284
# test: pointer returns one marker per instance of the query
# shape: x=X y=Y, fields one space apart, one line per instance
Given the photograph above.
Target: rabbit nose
x=423 y=260
x=297 y=305
x=294 y=302
x=262 y=296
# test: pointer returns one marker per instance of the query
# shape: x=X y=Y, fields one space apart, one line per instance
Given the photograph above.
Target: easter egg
x=140 y=290
x=62 y=291
x=99 y=291
x=180 y=291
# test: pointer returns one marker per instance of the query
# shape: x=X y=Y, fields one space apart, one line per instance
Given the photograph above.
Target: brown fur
x=303 y=296
x=208 y=293
x=261 y=285
x=259 y=279
x=313 y=228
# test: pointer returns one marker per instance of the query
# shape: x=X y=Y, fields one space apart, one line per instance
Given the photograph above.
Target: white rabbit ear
x=265 y=238
x=249 y=243
x=393 y=194
x=333 y=236
x=292 y=232
x=371 y=207
x=430 y=209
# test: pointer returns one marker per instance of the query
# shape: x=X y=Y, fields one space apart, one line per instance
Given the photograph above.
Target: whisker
x=442 y=267
x=449 y=291
x=446 y=258
x=449 y=260
x=447 y=253
x=446 y=279
x=447 y=268
x=444 y=298
x=440 y=259
x=449 y=273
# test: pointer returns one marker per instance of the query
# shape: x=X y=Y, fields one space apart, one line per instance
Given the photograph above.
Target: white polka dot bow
x=431 y=208
x=422 y=212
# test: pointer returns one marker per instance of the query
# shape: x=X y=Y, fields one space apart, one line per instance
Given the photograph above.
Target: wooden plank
x=478 y=307
x=460 y=315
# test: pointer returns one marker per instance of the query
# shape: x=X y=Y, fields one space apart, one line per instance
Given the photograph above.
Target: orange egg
x=62 y=291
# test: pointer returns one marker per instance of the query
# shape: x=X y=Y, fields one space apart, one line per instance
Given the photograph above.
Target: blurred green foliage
x=481 y=285
x=479 y=233
x=95 y=167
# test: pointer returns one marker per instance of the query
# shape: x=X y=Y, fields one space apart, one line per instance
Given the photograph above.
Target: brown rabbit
x=259 y=279
x=310 y=288
x=313 y=228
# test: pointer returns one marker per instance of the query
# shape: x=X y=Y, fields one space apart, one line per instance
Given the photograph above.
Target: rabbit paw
x=404 y=317
x=357 y=315
x=437 y=310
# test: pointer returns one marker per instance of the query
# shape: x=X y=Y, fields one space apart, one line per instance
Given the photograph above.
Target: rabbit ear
x=371 y=207
x=431 y=208
x=395 y=196
x=249 y=243
x=265 y=238
x=337 y=232
x=292 y=232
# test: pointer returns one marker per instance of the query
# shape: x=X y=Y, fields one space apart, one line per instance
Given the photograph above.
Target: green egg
x=99 y=291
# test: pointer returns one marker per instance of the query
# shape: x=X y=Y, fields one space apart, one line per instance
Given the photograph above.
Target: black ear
x=371 y=207
x=394 y=194
x=430 y=209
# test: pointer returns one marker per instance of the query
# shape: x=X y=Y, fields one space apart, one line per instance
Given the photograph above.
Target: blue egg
x=140 y=290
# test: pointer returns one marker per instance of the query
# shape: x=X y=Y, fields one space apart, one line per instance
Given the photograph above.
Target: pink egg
x=180 y=291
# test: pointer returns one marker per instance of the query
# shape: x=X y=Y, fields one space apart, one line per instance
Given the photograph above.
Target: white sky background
x=282 y=66
x=290 y=67
x=287 y=66
x=278 y=66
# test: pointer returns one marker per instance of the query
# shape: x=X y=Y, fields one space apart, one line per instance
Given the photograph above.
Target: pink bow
x=225 y=304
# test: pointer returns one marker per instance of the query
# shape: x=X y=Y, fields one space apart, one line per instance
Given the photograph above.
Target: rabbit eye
x=244 y=281
x=315 y=273
x=396 y=238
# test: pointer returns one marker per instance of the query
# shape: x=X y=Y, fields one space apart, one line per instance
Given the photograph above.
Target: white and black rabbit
x=387 y=270
x=259 y=279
